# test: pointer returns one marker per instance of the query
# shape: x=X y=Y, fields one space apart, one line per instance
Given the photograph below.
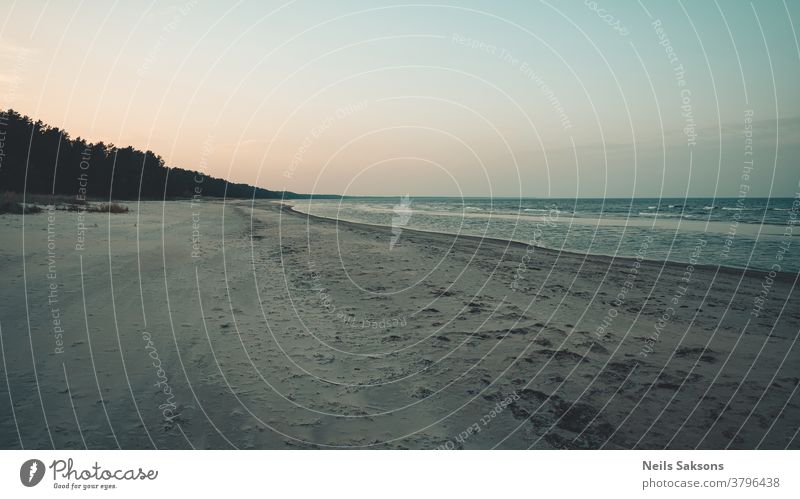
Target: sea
x=755 y=233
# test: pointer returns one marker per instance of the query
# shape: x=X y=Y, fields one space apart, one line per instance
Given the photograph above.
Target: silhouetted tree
x=41 y=159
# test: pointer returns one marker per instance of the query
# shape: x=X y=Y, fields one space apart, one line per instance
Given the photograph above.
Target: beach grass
x=16 y=204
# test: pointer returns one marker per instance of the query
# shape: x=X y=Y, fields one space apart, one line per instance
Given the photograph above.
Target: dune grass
x=13 y=203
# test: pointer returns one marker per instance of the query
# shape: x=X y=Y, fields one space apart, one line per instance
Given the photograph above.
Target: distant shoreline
x=595 y=257
x=536 y=198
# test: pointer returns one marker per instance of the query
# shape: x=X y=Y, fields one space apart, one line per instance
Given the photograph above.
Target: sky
x=470 y=98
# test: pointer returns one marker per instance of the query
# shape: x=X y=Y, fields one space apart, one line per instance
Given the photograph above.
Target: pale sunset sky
x=473 y=98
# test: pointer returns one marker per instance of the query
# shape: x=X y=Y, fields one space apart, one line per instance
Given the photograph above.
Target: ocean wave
x=663 y=215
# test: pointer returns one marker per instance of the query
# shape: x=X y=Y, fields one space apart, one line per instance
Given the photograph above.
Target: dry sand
x=284 y=331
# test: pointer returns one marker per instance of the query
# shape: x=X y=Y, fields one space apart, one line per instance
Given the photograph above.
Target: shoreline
x=286 y=332
x=750 y=272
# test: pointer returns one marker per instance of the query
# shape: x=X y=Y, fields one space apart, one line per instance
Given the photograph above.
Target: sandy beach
x=240 y=325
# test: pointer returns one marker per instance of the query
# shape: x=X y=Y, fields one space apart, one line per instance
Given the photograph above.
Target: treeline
x=40 y=159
